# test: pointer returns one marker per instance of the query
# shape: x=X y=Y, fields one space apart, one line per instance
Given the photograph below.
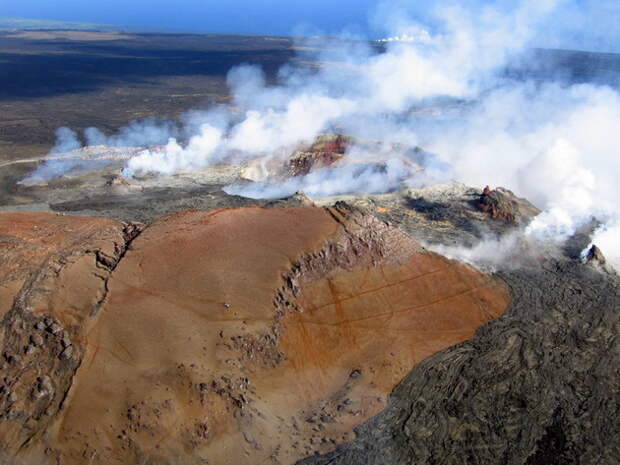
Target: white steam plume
x=359 y=88
x=59 y=160
x=367 y=178
x=555 y=144
x=137 y=133
x=66 y=141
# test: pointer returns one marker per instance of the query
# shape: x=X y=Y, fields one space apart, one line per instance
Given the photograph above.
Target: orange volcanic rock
x=32 y=241
x=53 y=280
x=502 y=204
x=238 y=336
x=326 y=150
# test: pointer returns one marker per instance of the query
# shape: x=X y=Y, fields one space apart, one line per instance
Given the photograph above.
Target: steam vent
x=235 y=336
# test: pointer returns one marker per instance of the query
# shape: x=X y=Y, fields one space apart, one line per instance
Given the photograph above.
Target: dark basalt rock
x=538 y=386
x=595 y=255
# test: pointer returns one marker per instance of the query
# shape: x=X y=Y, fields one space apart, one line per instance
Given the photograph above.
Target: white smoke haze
x=362 y=86
x=60 y=159
x=511 y=251
x=174 y=158
x=136 y=133
x=350 y=178
x=555 y=144
x=66 y=141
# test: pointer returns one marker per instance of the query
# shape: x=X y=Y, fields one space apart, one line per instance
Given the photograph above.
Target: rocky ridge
x=53 y=282
x=175 y=343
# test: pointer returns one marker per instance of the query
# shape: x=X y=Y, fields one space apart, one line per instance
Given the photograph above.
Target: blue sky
x=586 y=24
x=242 y=16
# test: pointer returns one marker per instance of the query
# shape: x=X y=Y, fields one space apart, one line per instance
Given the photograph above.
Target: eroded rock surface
x=502 y=204
x=53 y=281
x=325 y=151
x=229 y=336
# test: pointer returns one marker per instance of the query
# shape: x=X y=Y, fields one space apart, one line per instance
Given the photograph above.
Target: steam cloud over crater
x=550 y=140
